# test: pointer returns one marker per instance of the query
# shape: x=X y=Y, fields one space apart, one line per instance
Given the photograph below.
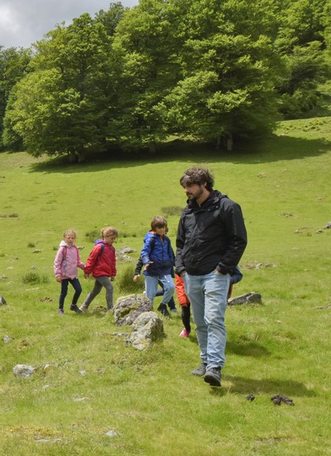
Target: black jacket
x=211 y=235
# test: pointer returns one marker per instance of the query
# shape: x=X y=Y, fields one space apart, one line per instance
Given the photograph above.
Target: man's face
x=194 y=191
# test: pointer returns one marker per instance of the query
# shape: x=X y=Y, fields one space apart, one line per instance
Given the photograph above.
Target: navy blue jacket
x=158 y=252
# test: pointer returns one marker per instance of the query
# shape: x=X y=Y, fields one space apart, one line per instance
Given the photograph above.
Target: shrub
x=126 y=284
x=171 y=210
x=34 y=277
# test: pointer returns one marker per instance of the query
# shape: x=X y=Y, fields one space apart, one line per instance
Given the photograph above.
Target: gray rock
x=147 y=328
x=6 y=339
x=248 y=298
x=23 y=370
x=2 y=301
x=127 y=250
x=112 y=433
x=128 y=308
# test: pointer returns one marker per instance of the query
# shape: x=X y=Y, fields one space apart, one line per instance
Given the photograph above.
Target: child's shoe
x=60 y=312
x=164 y=311
x=184 y=333
x=75 y=308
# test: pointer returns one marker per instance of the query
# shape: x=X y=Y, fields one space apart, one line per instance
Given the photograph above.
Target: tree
x=63 y=105
x=13 y=66
x=301 y=43
x=229 y=71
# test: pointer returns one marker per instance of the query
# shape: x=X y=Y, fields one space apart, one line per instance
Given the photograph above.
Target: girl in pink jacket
x=66 y=262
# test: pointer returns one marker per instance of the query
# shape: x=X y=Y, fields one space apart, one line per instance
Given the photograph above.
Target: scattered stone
x=255 y=265
x=6 y=339
x=2 y=301
x=112 y=433
x=328 y=306
x=147 y=328
x=82 y=372
x=286 y=214
x=36 y=251
x=46 y=299
x=250 y=397
x=248 y=298
x=127 y=250
x=128 y=308
x=23 y=370
x=43 y=440
x=278 y=399
x=328 y=225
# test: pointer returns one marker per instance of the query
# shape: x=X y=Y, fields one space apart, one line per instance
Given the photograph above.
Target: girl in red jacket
x=185 y=305
x=101 y=263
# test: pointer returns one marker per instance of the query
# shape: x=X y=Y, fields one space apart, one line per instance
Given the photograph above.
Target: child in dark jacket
x=101 y=263
x=160 y=291
x=158 y=260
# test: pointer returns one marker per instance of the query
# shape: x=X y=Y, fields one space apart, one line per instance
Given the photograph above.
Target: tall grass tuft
x=33 y=277
x=125 y=283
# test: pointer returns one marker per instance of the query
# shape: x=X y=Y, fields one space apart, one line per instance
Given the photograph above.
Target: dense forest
x=217 y=71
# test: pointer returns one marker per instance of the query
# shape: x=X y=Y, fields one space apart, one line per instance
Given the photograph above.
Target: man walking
x=211 y=239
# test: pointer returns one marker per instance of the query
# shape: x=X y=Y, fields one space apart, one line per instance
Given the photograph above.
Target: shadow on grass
x=245 y=386
x=247 y=349
x=270 y=149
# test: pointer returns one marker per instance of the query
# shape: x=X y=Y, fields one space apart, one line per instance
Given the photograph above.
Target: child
x=65 y=269
x=235 y=277
x=158 y=260
x=185 y=305
x=101 y=263
x=160 y=291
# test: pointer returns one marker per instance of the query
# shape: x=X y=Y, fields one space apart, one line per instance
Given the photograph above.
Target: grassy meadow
x=92 y=394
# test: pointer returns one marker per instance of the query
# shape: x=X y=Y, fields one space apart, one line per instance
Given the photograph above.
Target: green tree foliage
x=301 y=43
x=146 y=51
x=213 y=70
x=204 y=68
x=13 y=66
x=64 y=105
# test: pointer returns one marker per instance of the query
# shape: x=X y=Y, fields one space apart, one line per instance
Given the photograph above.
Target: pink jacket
x=66 y=262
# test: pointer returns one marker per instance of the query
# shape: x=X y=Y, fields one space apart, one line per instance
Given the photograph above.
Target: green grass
x=88 y=381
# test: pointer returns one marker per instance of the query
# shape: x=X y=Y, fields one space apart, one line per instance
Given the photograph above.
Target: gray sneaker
x=213 y=376
x=200 y=371
x=83 y=308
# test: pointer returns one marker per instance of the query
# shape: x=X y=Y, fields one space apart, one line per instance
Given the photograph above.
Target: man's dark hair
x=199 y=176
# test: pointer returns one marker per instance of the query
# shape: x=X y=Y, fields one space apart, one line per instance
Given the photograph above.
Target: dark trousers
x=64 y=291
x=186 y=317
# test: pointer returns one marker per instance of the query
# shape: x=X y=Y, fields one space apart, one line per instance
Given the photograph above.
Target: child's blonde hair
x=159 y=222
x=108 y=230
x=69 y=232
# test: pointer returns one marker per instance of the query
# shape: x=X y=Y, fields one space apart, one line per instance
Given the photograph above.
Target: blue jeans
x=151 y=283
x=208 y=297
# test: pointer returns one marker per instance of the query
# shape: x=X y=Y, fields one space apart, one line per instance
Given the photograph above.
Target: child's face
x=109 y=238
x=161 y=231
x=69 y=239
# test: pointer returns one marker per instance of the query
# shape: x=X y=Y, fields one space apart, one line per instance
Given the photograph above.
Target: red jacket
x=180 y=290
x=101 y=263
